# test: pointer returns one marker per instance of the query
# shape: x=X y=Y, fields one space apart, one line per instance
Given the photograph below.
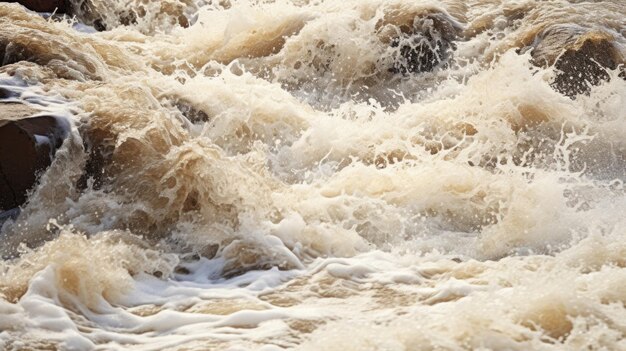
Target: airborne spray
x=320 y=175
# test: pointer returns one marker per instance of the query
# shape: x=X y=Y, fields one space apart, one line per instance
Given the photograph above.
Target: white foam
x=317 y=200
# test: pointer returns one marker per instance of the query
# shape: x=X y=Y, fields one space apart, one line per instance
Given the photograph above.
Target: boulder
x=580 y=56
x=61 y=6
x=27 y=147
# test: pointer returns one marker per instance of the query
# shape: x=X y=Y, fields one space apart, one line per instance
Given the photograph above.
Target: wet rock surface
x=60 y=6
x=581 y=57
x=27 y=147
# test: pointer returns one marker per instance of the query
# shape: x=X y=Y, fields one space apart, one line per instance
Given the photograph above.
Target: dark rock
x=27 y=147
x=193 y=114
x=580 y=56
x=95 y=167
x=426 y=45
x=61 y=6
x=582 y=67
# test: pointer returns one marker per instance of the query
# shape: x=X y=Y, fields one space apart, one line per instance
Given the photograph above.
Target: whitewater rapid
x=265 y=175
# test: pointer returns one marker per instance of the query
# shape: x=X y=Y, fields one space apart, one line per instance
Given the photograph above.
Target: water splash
x=276 y=173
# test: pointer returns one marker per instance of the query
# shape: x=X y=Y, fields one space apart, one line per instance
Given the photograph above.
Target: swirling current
x=321 y=175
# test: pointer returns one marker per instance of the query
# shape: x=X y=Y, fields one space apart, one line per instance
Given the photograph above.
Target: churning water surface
x=322 y=175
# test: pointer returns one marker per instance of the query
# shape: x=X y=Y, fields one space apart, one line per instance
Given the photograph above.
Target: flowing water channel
x=321 y=175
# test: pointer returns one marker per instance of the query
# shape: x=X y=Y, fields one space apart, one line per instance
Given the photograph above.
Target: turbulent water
x=279 y=174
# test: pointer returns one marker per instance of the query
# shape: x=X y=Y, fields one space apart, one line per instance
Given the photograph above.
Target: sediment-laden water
x=321 y=175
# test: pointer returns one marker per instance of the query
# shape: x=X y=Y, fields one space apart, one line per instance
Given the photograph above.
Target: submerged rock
x=156 y=14
x=60 y=6
x=190 y=112
x=426 y=44
x=580 y=56
x=27 y=147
